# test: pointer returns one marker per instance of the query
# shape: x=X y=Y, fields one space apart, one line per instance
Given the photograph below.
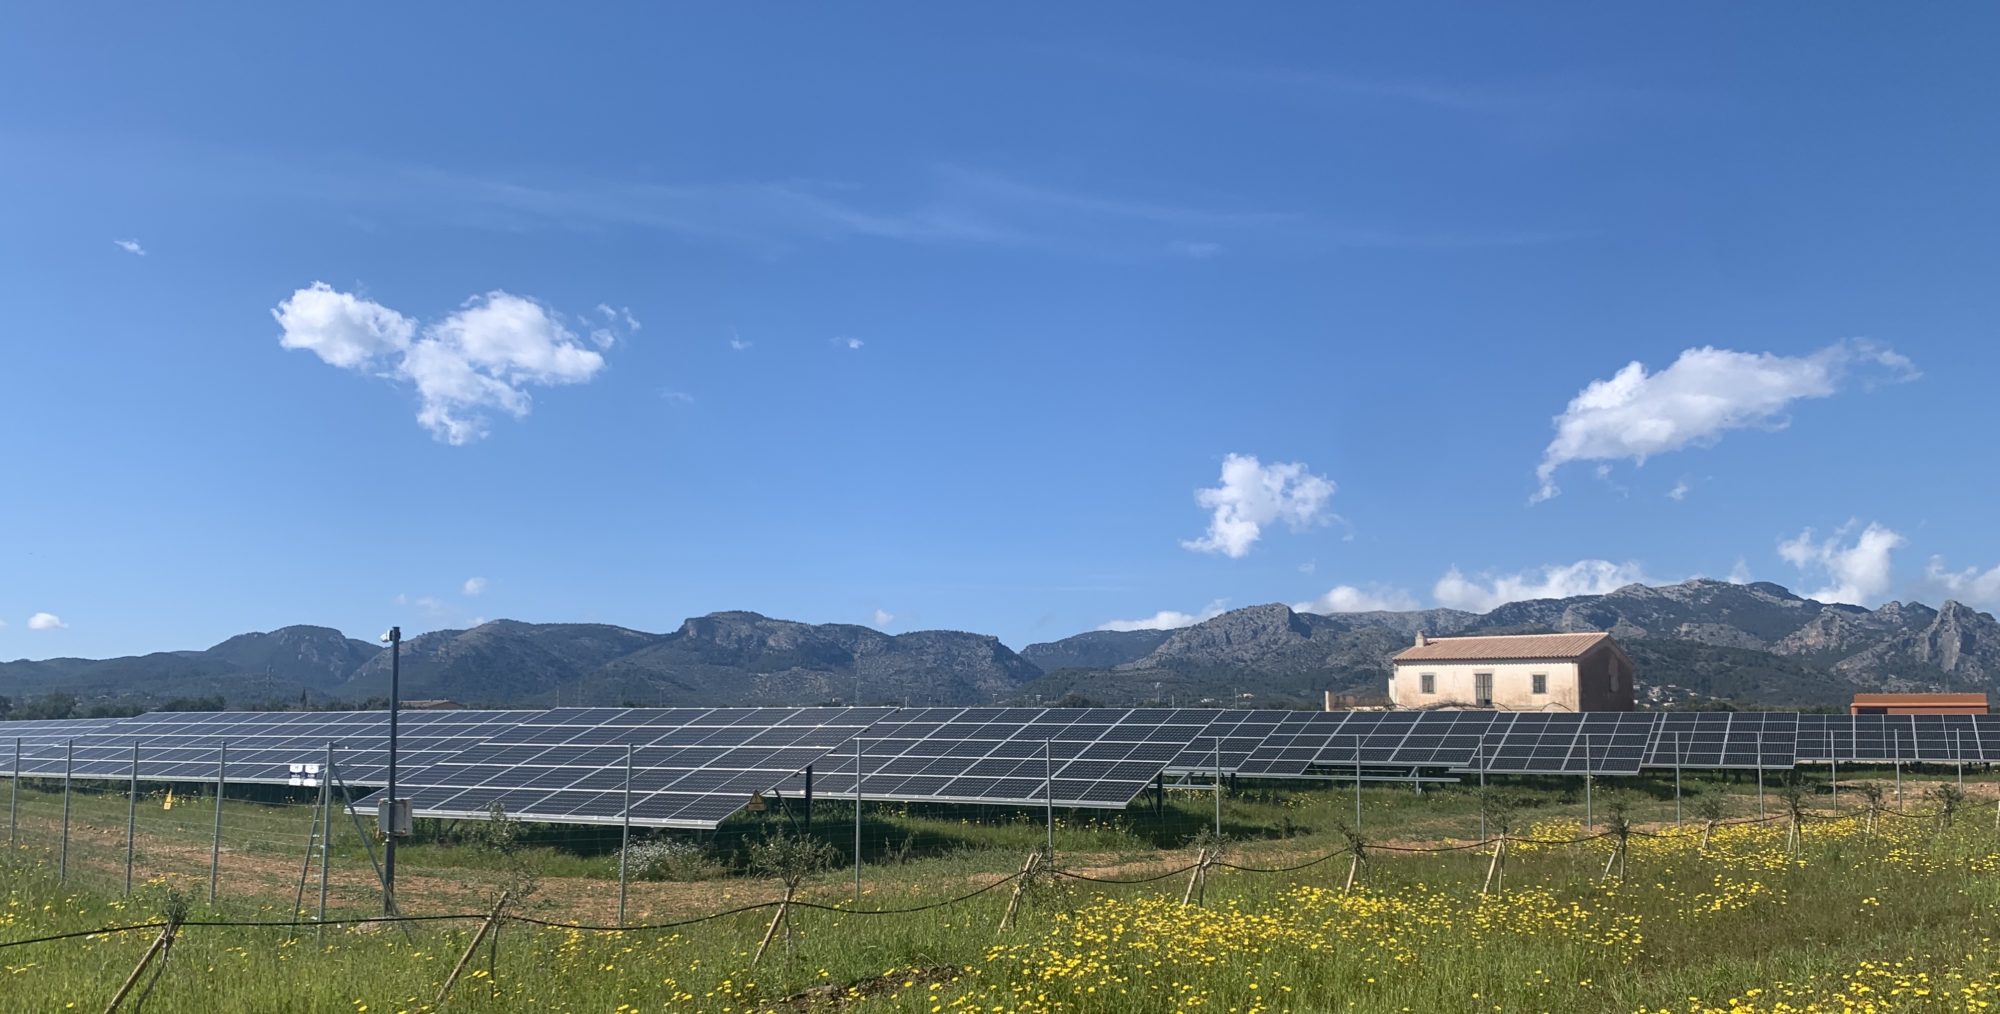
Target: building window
x=1539 y=683
x=1428 y=683
x=1482 y=689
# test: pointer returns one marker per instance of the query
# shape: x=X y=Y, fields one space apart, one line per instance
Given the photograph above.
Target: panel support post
x=131 y=819
x=809 y=799
x=1835 y=781
x=1760 y=774
x=215 y=840
x=1357 y=782
x=625 y=834
x=62 y=855
x=1898 y=742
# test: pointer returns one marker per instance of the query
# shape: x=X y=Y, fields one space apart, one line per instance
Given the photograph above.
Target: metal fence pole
x=1588 y=815
x=215 y=842
x=1677 y=779
x=857 y=809
x=1218 y=786
x=1760 y=774
x=14 y=798
x=1958 y=755
x=62 y=855
x=1836 y=785
x=1897 y=741
x=1357 y=783
x=1482 y=786
x=131 y=819
x=625 y=835
x=325 y=830
x=1049 y=789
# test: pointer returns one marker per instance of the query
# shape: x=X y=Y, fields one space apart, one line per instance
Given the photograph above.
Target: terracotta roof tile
x=1501 y=647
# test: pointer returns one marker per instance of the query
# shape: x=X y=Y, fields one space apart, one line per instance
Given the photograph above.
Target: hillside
x=1698 y=640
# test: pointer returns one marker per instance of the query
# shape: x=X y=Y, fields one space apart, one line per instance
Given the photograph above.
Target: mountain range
x=1698 y=641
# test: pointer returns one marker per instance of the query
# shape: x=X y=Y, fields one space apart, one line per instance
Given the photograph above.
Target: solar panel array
x=262 y=746
x=691 y=767
x=694 y=767
x=1889 y=738
x=1083 y=757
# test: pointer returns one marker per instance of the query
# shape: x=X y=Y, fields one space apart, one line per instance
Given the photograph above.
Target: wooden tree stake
x=470 y=949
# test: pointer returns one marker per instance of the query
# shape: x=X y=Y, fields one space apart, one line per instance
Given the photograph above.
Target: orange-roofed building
x=1514 y=672
x=1918 y=704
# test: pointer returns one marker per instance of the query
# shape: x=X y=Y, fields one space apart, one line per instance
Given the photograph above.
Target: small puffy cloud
x=1740 y=573
x=1702 y=395
x=342 y=329
x=1553 y=581
x=1680 y=490
x=848 y=343
x=1253 y=495
x=1169 y=619
x=1346 y=598
x=737 y=342
x=883 y=618
x=1980 y=588
x=475 y=361
x=474 y=586
x=1857 y=572
x=46 y=621
x=130 y=246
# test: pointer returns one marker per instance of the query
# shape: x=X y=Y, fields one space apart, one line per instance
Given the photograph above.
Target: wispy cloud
x=1169 y=619
x=130 y=246
x=851 y=344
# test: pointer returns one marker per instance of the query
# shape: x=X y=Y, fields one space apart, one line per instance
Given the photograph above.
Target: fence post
x=1589 y=821
x=857 y=808
x=62 y=855
x=1049 y=790
x=14 y=800
x=1218 y=789
x=131 y=819
x=1357 y=783
x=1897 y=740
x=1760 y=774
x=625 y=835
x=215 y=842
x=1836 y=785
x=1677 y=779
x=325 y=831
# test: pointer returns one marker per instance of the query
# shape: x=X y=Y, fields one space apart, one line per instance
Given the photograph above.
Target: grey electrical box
x=393 y=818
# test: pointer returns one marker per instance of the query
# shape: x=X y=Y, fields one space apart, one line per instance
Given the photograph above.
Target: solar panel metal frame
x=1241 y=732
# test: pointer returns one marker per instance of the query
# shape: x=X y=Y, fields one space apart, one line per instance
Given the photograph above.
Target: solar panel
x=1724 y=740
x=1239 y=733
x=1080 y=757
x=691 y=767
x=1605 y=743
x=1885 y=739
x=1295 y=744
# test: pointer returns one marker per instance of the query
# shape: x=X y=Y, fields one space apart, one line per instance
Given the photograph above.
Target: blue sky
x=944 y=318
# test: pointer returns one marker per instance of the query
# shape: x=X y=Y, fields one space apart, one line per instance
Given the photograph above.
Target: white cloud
x=1553 y=581
x=845 y=342
x=1858 y=573
x=479 y=359
x=1695 y=400
x=739 y=344
x=1971 y=585
x=677 y=397
x=1253 y=495
x=474 y=586
x=1346 y=598
x=343 y=329
x=130 y=246
x=1680 y=490
x=883 y=618
x=1169 y=619
x=430 y=604
x=46 y=621
x=1740 y=573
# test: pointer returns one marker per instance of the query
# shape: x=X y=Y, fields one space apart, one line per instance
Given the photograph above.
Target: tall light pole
x=395 y=639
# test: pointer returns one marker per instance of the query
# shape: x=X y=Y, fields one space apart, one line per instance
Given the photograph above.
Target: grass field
x=1898 y=917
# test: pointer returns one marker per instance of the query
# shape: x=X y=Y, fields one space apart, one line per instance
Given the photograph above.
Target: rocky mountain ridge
x=1754 y=643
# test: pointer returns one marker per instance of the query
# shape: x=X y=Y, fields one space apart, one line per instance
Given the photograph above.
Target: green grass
x=1550 y=941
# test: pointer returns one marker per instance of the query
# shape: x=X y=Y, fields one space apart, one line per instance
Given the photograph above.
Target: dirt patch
x=835 y=997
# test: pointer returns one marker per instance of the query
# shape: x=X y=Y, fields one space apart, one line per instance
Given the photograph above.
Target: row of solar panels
x=694 y=767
